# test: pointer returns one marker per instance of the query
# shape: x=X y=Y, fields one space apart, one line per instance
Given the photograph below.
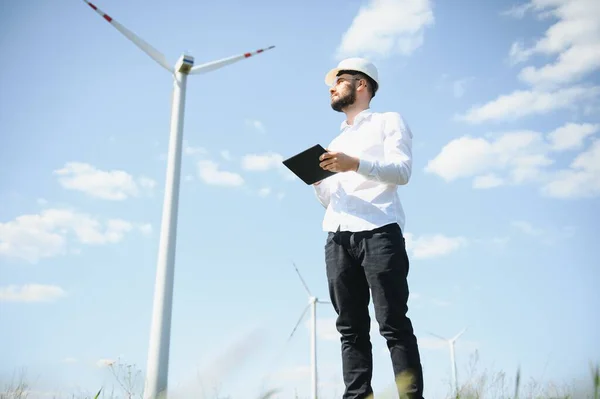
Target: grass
x=485 y=385
x=497 y=386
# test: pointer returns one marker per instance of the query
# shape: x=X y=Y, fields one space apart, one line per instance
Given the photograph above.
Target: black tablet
x=305 y=165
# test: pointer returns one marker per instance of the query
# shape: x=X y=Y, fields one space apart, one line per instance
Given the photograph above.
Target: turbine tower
x=312 y=304
x=451 y=342
x=160 y=333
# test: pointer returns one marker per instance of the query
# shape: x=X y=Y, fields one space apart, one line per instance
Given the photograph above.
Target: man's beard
x=341 y=102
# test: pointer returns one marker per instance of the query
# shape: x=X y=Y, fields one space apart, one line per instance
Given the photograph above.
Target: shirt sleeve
x=396 y=167
x=323 y=192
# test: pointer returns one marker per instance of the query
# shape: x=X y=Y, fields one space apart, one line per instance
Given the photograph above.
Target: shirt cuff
x=364 y=167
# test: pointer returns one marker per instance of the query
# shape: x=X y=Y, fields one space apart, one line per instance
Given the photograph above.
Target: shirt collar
x=357 y=119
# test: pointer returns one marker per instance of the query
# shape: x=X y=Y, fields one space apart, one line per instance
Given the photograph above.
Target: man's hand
x=338 y=162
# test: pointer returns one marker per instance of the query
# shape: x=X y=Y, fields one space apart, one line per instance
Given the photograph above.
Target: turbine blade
x=324 y=302
x=437 y=336
x=138 y=41
x=299 y=321
x=459 y=334
x=211 y=66
x=301 y=279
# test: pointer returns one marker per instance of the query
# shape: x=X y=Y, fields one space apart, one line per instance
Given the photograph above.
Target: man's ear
x=362 y=84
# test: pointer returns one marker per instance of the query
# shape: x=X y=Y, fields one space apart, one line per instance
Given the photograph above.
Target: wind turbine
x=451 y=342
x=158 y=351
x=312 y=304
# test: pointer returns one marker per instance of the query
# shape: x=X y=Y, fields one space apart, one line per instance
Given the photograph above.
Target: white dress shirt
x=368 y=198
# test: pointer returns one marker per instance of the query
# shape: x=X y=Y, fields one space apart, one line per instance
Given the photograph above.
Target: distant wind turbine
x=158 y=352
x=451 y=342
x=312 y=303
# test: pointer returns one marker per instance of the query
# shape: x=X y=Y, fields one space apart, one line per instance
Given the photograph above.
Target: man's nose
x=331 y=90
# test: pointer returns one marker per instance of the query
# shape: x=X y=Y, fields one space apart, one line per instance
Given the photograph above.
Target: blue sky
x=502 y=209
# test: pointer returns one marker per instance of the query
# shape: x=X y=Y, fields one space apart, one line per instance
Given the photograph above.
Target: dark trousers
x=374 y=259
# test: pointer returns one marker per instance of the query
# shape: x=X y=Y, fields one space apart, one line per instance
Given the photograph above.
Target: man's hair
x=371 y=84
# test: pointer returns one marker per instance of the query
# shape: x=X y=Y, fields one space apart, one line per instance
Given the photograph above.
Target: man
x=364 y=218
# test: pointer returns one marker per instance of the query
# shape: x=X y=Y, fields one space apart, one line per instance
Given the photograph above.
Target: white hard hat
x=353 y=64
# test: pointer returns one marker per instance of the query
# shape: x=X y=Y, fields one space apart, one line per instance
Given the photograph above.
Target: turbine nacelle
x=184 y=64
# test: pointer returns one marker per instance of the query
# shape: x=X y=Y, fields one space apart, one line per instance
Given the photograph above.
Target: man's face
x=343 y=92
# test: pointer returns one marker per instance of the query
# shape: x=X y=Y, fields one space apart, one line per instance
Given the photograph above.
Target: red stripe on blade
x=106 y=17
x=247 y=55
x=93 y=6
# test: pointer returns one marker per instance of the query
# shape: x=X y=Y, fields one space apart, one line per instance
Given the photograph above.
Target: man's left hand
x=338 y=162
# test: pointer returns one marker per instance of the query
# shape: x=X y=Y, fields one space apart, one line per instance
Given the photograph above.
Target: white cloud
x=191 y=150
x=519 y=152
x=572 y=65
x=386 y=27
x=113 y=185
x=549 y=235
x=459 y=87
x=226 y=155
x=456 y=86
x=35 y=236
x=461 y=157
x=527 y=228
x=580 y=180
x=265 y=162
x=209 y=172
x=489 y=180
x=571 y=136
x=521 y=103
x=264 y=192
x=522 y=156
x=92 y=234
x=570 y=49
x=31 y=293
x=256 y=124
x=431 y=246
x=262 y=162
x=145 y=228
x=146 y=182
x=574 y=39
x=517 y=11
x=517 y=53
x=529 y=168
